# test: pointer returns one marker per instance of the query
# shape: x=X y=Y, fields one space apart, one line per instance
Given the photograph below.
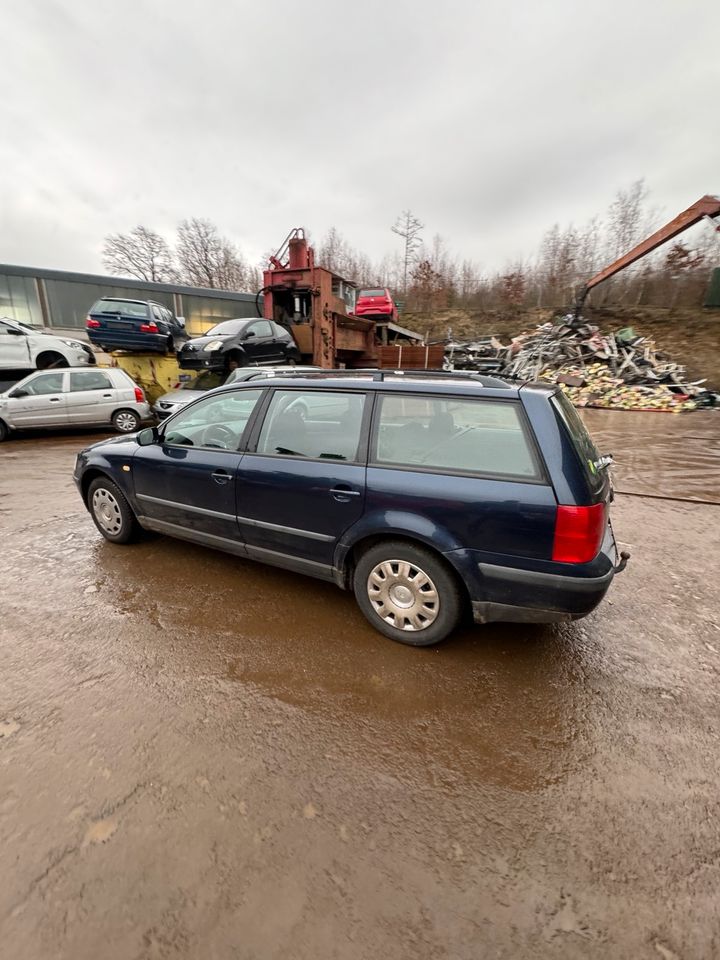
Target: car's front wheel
x=3 y=431
x=50 y=360
x=126 y=421
x=407 y=593
x=111 y=512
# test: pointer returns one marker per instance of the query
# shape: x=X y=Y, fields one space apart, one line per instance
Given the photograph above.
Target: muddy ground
x=206 y=758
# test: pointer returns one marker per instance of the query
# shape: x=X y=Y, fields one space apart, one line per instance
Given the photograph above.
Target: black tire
x=170 y=346
x=3 y=431
x=126 y=421
x=51 y=360
x=111 y=512
x=427 y=577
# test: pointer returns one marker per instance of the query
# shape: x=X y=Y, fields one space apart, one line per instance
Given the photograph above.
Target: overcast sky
x=490 y=121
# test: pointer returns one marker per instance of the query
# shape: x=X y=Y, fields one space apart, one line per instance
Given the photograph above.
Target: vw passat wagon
x=429 y=495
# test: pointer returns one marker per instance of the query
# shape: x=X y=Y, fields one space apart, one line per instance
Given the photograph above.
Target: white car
x=72 y=398
x=22 y=348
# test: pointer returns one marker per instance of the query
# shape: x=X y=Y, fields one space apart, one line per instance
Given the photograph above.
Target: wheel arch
x=345 y=565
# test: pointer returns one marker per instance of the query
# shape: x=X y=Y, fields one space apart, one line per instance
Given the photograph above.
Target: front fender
x=110 y=464
x=394 y=523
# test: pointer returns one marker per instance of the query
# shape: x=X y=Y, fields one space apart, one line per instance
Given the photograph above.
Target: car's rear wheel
x=111 y=512
x=49 y=360
x=407 y=593
x=126 y=421
x=3 y=431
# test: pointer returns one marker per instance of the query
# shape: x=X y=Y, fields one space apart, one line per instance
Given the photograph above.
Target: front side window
x=217 y=421
x=43 y=385
x=456 y=435
x=260 y=329
x=320 y=425
x=92 y=380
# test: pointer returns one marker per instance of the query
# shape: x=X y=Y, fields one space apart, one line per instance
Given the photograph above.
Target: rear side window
x=585 y=448
x=125 y=308
x=320 y=425
x=454 y=435
x=92 y=380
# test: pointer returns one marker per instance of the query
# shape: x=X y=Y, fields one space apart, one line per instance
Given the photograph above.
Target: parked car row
x=427 y=495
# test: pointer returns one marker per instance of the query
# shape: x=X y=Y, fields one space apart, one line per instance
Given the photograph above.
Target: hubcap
x=107 y=511
x=126 y=422
x=403 y=595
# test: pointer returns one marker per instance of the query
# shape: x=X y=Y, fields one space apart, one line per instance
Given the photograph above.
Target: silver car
x=73 y=396
x=175 y=400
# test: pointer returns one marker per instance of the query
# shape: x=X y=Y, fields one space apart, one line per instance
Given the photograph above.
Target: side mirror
x=19 y=393
x=181 y=322
x=250 y=333
x=148 y=436
x=16 y=333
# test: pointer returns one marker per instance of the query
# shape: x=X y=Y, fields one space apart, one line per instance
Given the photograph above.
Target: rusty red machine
x=316 y=303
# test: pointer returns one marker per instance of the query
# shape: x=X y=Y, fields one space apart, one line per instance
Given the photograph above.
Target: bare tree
x=408 y=227
x=141 y=253
x=207 y=259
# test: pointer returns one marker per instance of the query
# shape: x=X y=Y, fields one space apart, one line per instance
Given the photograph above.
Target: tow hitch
x=624 y=557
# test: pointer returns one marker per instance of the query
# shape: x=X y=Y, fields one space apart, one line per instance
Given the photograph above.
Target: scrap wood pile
x=618 y=371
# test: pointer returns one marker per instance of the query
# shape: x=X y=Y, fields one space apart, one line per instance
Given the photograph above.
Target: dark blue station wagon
x=429 y=495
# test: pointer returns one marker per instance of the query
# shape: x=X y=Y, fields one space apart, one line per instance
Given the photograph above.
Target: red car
x=376 y=303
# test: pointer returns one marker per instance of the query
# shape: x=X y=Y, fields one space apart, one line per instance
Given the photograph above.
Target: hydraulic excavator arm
x=707 y=207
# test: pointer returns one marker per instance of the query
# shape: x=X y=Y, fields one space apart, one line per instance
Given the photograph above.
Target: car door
x=39 y=400
x=14 y=353
x=260 y=344
x=301 y=483
x=185 y=483
x=90 y=397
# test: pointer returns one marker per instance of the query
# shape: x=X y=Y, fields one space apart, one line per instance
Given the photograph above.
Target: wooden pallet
x=404 y=357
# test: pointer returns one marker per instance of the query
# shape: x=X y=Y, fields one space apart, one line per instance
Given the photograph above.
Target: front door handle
x=343 y=493
x=54 y=399
x=221 y=476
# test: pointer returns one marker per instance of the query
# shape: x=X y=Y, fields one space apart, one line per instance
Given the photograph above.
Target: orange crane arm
x=707 y=206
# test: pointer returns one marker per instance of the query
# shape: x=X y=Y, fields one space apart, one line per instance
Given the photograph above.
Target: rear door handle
x=221 y=476
x=343 y=493
x=107 y=396
x=54 y=399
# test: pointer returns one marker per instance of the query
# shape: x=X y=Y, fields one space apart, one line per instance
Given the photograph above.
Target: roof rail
x=381 y=375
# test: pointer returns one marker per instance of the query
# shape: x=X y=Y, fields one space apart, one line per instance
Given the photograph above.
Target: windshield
x=371 y=293
x=227 y=328
x=205 y=380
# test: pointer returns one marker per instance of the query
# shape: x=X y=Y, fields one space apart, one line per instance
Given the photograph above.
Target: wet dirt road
x=206 y=758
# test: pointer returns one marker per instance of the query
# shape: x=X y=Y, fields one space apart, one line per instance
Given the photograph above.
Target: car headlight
x=73 y=343
x=215 y=345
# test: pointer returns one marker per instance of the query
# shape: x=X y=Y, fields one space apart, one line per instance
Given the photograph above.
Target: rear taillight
x=139 y=395
x=92 y=324
x=578 y=533
x=148 y=328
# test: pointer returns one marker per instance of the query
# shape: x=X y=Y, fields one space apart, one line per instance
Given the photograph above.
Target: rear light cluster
x=92 y=324
x=579 y=533
x=148 y=328
x=139 y=395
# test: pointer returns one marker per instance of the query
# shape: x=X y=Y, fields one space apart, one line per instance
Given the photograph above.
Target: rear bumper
x=527 y=596
x=548 y=593
x=141 y=342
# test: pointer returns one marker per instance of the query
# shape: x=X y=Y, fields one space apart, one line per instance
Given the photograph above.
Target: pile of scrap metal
x=617 y=371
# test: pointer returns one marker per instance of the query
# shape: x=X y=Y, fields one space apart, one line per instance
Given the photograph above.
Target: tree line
x=428 y=276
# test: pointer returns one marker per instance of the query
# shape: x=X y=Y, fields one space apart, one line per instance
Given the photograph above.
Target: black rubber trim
x=553 y=581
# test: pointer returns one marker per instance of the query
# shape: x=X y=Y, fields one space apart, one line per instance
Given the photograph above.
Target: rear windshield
x=226 y=328
x=586 y=449
x=125 y=307
x=372 y=293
